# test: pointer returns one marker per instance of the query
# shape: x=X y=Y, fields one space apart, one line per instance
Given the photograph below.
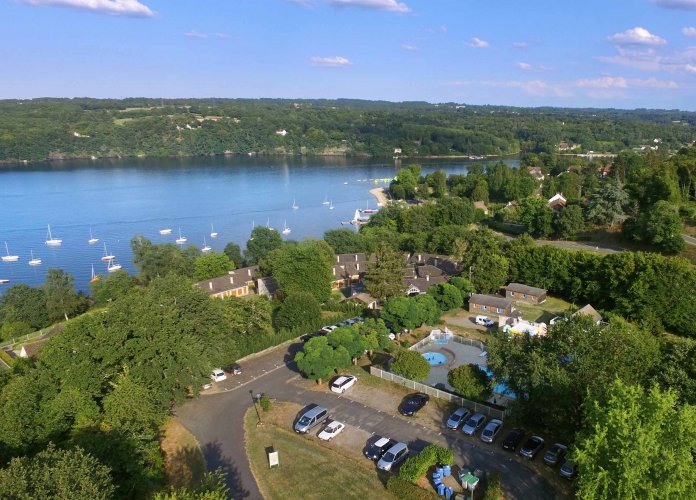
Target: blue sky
x=602 y=53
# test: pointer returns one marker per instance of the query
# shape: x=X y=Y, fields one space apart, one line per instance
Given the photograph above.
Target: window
x=484 y=307
x=500 y=310
x=525 y=295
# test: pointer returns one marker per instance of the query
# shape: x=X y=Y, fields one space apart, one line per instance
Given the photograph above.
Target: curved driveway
x=216 y=421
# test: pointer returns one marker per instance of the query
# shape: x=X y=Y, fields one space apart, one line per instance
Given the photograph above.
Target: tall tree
x=211 y=265
x=318 y=359
x=385 y=276
x=25 y=304
x=262 y=241
x=569 y=222
x=299 y=308
x=606 y=205
x=111 y=287
x=233 y=251
x=306 y=267
x=62 y=299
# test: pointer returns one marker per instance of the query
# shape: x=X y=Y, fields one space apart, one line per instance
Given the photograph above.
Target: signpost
x=273 y=459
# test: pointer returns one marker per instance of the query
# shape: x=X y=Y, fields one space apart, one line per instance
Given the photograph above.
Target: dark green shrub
x=403 y=489
x=265 y=403
x=418 y=465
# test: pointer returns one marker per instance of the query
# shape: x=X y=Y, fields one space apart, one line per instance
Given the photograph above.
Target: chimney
x=231 y=280
x=210 y=285
x=249 y=272
x=357 y=266
x=435 y=262
x=338 y=259
x=356 y=257
x=427 y=277
x=334 y=271
x=419 y=258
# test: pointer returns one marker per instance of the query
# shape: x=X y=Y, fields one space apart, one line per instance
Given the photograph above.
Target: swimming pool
x=435 y=358
x=502 y=388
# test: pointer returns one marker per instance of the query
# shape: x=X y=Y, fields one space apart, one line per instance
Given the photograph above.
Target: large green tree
x=25 y=304
x=62 y=300
x=262 y=241
x=470 y=381
x=318 y=360
x=660 y=225
x=385 y=277
x=303 y=268
x=211 y=265
x=157 y=261
x=411 y=364
x=233 y=251
x=300 y=308
x=111 y=287
x=447 y=296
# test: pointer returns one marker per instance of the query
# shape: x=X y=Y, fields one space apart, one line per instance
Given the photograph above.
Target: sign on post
x=273 y=459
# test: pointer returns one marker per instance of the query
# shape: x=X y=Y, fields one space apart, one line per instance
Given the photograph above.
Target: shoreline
x=378 y=193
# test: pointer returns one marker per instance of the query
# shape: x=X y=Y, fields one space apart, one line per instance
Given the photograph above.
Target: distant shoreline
x=379 y=194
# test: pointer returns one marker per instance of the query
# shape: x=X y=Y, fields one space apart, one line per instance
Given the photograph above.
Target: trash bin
x=446 y=470
x=437 y=480
x=441 y=489
x=440 y=471
x=448 y=492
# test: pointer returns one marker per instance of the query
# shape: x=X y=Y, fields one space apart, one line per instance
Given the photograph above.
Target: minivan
x=393 y=456
x=310 y=418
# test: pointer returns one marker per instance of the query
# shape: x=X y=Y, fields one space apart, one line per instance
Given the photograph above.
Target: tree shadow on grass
x=185 y=467
x=215 y=460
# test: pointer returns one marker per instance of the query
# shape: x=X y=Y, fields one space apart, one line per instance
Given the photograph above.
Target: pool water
x=501 y=388
x=435 y=358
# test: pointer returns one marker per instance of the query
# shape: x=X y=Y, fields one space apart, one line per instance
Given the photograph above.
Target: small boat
x=8 y=257
x=95 y=277
x=268 y=225
x=181 y=239
x=345 y=183
x=51 y=241
x=205 y=248
x=213 y=234
x=286 y=229
x=92 y=240
x=34 y=261
x=107 y=257
x=4 y=282
x=295 y=206
x=331 y=207
x=113 y=267
x=165 y=231
x=368 y=210
x=326 y=200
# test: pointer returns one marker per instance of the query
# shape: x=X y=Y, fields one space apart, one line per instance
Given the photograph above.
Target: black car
x=532 y=446
x=513 y=439
x=379 y=448
x=412 y=403
x=555 y=454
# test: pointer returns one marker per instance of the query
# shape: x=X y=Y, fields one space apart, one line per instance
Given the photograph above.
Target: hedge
x=418 y=465
x=505 y=227
x=403 y=489
x=494 y=490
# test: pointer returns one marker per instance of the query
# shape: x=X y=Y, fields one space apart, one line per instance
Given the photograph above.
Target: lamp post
x=258 y=415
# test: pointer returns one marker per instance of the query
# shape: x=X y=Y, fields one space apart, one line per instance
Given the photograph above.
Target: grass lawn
x=308 y=469
x=539 y=313
x=183 y=459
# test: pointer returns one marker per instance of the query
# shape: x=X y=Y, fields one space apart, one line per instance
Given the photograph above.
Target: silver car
x=474 y=424
x=393 y=456
x=457 y=418
x=490 y=432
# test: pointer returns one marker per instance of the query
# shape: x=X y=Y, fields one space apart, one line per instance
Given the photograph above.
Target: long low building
x=237 y=283
x=490 y=304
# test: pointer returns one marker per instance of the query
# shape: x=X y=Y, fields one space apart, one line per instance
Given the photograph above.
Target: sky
x=589 y=53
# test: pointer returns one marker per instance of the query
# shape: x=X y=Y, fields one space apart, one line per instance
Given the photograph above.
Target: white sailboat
x=205 y=248
x=8 y=257
x=326 y=200
x=331 y=207
x=165 y=231
x=268 y=225
x=107 y=256
x=95 y=277
x=213 y=234
x=51 y=241
x=35 y=261
x=92 y=240
x=4 y=282
x=181 y=239
x=286 y=229
x=113 y=267
x=295 y=206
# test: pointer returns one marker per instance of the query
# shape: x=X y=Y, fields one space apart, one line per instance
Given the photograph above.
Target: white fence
x=437 y=393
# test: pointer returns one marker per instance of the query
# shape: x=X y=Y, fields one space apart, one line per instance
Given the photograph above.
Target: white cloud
x=676 y=4
x=690 y=68
x=409 y=48
x=198 y=34
x=532 y=87
x=386 y=5
x=520 y=45
x=131 y=8
x=636 y=36
x=477 y=43
x=303 y=3
x=689 y=31
x=618 y=82
x=524 y=66
x=330 y=62
x=654 y=83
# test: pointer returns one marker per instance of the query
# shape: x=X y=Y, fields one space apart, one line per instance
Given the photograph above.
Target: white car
x=343 y=383
x=332 y=430
x=484 y=320
x=218 y=375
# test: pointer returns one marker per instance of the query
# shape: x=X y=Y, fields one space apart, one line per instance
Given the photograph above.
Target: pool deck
x=457 y=355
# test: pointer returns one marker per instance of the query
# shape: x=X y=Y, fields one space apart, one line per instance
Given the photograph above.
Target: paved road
x=690 y=240
x=216 y=421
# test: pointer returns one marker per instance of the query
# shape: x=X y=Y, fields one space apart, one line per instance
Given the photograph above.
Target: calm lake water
x=118 y=199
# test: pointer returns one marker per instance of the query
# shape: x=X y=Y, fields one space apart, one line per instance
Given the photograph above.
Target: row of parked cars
x=471 y=424
x=326 y=329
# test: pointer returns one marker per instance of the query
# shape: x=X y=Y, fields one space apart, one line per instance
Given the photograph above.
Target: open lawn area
x=184 y=464
x=307 y=469
x=542 y=313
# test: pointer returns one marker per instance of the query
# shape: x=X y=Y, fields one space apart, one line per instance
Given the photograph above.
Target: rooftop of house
x=529 y=290
x=423 y=284
x=233 y=279
x=490 y=301
x=588 y=310
x=557 y=199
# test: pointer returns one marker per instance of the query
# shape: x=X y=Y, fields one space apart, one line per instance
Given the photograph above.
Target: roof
x=428 y=270
x=232 y=280
x=481 y=205
x=267 y=286
x=343 y=258
x=32 y=350
x=558 y=197
x=423 y=284
x=363 y=298
x=490 y=300
x=588 y=310
x=529 y=290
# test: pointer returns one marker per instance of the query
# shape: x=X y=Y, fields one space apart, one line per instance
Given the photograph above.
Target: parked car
x=490 y=432
x=485 y=321
x=513 y=439
x=569 y=470
x=379 y=448
x=457 y=418
x=218 y=375
x=412 y=403
x=532 y=446
x=333 y=429
x=343 y=383
x=555 y=454
x=474 y=423
x=328 y=329
x=207 y=386
x=393 y=456
x=236 y=369
x=314 y=416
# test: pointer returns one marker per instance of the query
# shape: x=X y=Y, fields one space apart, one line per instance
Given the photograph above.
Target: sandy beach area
x=381 y=197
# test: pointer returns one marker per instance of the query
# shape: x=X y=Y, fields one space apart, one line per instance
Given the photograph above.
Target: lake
x=118 y=199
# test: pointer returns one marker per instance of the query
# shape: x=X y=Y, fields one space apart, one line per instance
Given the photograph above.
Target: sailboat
x=295 y=206
x=205 y=248
x=113 y=267
x=34 y=261
x=331 y=207
x=92 y=240
x=165 y=231
x=181 y=239
x=268 y=225
x=326 y=200
x=95 y=277
x=107 y=256
x=286 y=229
x=213 y=234
x=4 y=282
x=8 y=257
x=368 y=210
x=51 y=241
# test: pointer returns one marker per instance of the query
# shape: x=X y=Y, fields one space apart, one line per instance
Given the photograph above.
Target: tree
x=465 y=287
x=24 y=304
x=677 y=370
x=427 y=310
x=447 y=296
x=488 y=272
x=112 y=287
x=234 y=253
x=212 y=487
x=351 y=339
x=249 y=316
x=62 y=299
x=659 y=225
x=536 y=214
x=480 y=192
x=385 y=276
x=300 y=308
x=262 y=241
x=317 y=359
x=131 y=407
x=400 y=313
x=345 y=241
x=638 y=444
x=606 y=205
x=157 y=261
x=470 y=381
x=375 y=333
x=211 y=265
x=568 y=222
x=54 y=473
x=411 y=364
x=306 y=267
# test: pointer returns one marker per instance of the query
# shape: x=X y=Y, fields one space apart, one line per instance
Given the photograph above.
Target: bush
x=470 y=381
x=297 y=309
x=503 y=227
x=6 y=357
x=418 y=465
x=412 y=365
x=494 y=490
x=265 y=403
x=403 y=489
